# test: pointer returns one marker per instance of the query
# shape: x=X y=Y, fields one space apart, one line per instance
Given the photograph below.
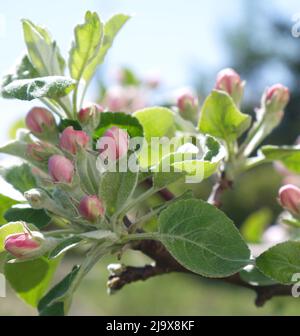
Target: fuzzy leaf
x=203 y=239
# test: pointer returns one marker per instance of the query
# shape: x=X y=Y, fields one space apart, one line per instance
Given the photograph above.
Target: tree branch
x=165 y=263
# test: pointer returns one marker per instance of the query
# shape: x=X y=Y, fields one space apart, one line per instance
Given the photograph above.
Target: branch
x=165 y=263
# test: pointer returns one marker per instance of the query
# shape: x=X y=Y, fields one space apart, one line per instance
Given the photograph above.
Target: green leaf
x=116 y=188
x=161 y=180
x=156 y=121
x=111 y=29
x=31 y=279
x=255 y=277
x=53 y=303
x=288 y=155
x=23 y=212
x=23 y=70
x=5 y=203
x=121 y=120
x=20 y=177
x=184 y=163
x=64 y=123
x=11 y=228
x=221 y=118
x=203 y=239
x=65 y=246
x=43 y=52
x=42 y=87
x=88 y=37
x=255 y=225
x=280 y=262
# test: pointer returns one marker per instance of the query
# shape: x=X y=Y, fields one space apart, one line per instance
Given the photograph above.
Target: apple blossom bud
x=187 y=101
x=276 y=97
x=289 y=198
x=91 y=208
x=71 y=139
x=86 y=113
x=230 y=81
x=25 y=244
x=114 y=144
x=60 y=169
x=39 y=119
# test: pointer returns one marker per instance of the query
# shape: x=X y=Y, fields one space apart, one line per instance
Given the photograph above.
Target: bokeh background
x=183 y=43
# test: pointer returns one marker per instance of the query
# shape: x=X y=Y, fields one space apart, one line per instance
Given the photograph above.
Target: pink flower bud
x=38 y=119
x=289 y=198
x=230 y=81
x=85 y=113
x=60 y=169
x=71 y=139
x=114 y=144
x=23 y=244
x=277 y=97
x=187 y=101
x=91 y=208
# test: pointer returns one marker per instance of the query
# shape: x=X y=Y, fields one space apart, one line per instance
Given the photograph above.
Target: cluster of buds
x=230 y=82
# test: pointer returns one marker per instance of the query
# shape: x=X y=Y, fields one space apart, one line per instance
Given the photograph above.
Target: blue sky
x=165 y=35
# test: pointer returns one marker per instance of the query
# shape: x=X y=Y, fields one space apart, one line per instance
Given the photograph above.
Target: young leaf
x=111 y=29
x=23 y=212
x=121 y=120
x=156 y=121
x=5 y=203
x=116 y=188
x=43 y=52
x=53 y=87
x=53 y=303
x=31 y=279
x=20 y=177
x=288 y=155
x=65 y=246
x=281 y=262
x=88 y=37
x=203 y=239
x=221 y=118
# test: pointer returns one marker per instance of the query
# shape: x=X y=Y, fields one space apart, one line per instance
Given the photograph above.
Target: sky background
x=166 y=36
